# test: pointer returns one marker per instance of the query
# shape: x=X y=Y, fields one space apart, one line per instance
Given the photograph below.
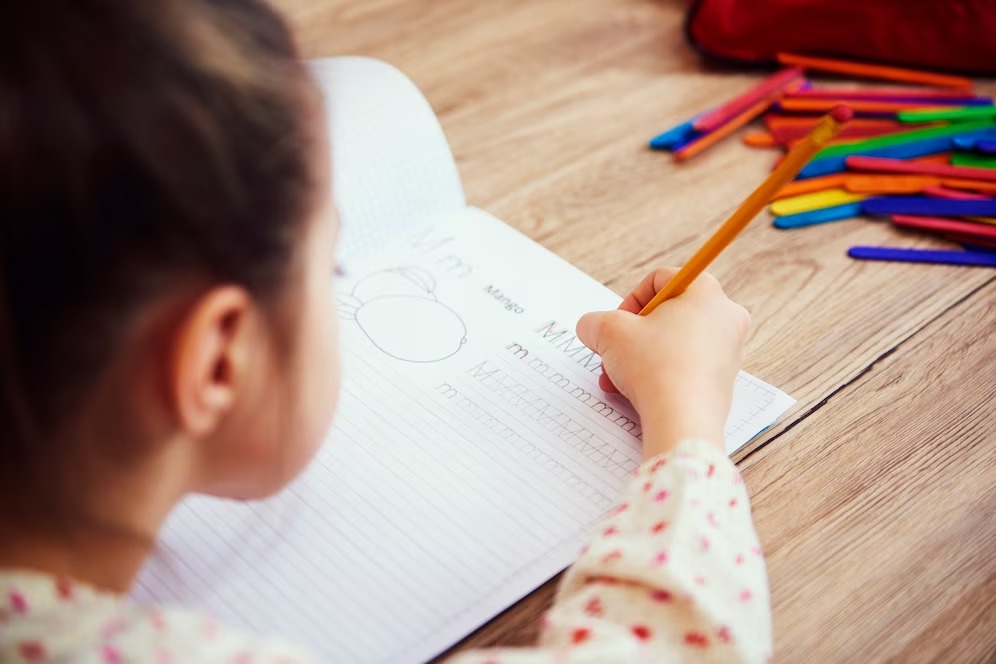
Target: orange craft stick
x=889 y=184
x=760 y=139
x=880 y=72
x=786 y=171
x=735 y=107
x=846 y=94
x=971 y=185
x=809 y=185
x=859 y=106
x=716 y=136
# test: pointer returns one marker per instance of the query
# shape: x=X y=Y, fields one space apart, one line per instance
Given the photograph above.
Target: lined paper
x=461 y=473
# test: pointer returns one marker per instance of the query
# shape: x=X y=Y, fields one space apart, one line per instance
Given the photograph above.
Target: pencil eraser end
x=841 y=113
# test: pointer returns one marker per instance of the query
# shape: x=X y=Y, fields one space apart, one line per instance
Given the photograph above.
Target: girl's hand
x=677 y=365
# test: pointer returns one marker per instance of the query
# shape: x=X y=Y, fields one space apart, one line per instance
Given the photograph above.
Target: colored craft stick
x=789 y=134
x=984 y=248
x=814 y=217
x=904 y=110
x=984 y=220
x=749 y=209
x=926 y=206
x=942 y=225
x=812 y=184
x=975 y=186
x=738 y=105
x=773 y=120
x=836 y=164
x=985 y=146
x=973 y=160
x=880 y=93
x=707 y=140
x=971 y=243
x=968 y=112
x=889 y=184
x=873 y=163
x=760 y=139
x=937 y=158
x=939 y=191
x=934 y=256
x=816 y=200
x=880 y=72
x=947 y=131
x=679 y=134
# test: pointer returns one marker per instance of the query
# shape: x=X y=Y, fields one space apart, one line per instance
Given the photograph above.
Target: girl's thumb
x=595 y=329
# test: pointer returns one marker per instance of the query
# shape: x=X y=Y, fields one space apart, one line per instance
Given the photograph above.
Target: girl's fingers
x=645 y=292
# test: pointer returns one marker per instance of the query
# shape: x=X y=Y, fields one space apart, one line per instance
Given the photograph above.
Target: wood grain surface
x=874 y=496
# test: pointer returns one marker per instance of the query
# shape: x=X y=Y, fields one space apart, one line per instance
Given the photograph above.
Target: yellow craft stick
x=984 y=220
x=793 y=162
x=814 y=201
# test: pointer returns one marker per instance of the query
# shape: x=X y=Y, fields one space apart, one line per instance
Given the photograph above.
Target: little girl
x=167 y=327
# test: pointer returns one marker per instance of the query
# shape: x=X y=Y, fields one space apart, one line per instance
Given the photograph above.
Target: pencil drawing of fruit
x=399 y=312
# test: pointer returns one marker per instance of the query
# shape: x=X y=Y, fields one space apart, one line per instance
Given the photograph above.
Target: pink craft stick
x=955 y=194
x=944 y=225
x=882 y=165
x=731 y=109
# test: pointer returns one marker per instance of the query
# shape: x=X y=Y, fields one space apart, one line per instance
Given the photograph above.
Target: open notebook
x=472 y=452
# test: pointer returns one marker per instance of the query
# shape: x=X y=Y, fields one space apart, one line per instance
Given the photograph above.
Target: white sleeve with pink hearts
x=676 y=574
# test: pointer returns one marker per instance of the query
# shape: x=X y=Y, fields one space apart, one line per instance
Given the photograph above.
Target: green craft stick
x=903 y=137
x=956 y=113
x=975 y=160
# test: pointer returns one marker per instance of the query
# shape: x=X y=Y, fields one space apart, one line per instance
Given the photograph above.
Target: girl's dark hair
x=142 y=145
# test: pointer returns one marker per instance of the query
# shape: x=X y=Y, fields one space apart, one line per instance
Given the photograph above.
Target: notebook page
x=471 y=456
x=391 y=165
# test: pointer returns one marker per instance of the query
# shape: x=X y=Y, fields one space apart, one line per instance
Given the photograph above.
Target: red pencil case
x=955 y=35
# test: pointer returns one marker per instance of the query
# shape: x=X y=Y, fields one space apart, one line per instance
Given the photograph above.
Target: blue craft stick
x=679 y=135
x=821 y=216
x=921 y=148
x=837 y=164
x=964 y=142
x=941 y=257
x=965 y=101
x=978 y=247
x=928 y=207
x=986 y=146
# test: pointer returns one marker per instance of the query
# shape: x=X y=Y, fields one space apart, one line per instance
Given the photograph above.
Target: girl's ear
x=209 y=359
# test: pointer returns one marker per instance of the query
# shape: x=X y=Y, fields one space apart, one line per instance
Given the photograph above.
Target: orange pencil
x=788 y=169
x=880 y=72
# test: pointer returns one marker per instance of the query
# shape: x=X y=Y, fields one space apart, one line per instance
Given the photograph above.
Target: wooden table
x=874 y=497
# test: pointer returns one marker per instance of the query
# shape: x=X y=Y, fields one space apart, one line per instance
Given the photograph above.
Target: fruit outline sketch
x=398 y=311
